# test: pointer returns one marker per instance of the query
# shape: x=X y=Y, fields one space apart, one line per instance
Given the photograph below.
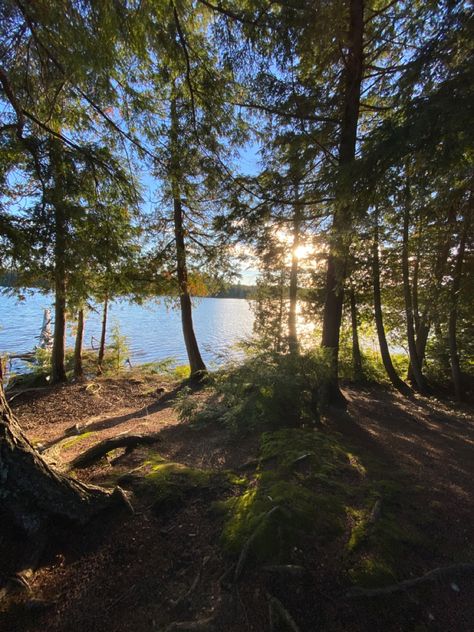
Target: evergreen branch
x=184 y=46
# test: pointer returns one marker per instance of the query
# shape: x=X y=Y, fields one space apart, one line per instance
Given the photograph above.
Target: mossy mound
x=378 y=544
x=294 y=475
x=167 y=484
x=324 y=489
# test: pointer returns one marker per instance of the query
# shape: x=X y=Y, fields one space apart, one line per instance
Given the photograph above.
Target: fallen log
x=443 y=572
x=104 y=447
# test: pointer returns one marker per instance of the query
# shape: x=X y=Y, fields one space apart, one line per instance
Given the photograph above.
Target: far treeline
x=10 y=280
x=151 y=148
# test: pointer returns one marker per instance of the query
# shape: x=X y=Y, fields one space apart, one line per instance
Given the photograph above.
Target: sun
x=303 y=251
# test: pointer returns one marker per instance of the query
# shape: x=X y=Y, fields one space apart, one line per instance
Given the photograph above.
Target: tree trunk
x=281 y=299
x=453 y=316
x=429 y=312
x=196 y=363
x=336 y=268
x=292 y=333
x=378 y=315
x=103 y=333
x=356 y=354
x=422 y=333
x=410 y=325
x=416 y=274
x=78 y=370
x=58 y=370
x=31 y=491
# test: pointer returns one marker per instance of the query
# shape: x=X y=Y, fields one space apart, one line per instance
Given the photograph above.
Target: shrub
x=267 y=390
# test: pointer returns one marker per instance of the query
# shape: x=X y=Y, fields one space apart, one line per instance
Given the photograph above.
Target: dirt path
x=134 y=573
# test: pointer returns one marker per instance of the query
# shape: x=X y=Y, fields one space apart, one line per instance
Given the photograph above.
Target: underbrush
x=115 y=364
x=373 y=370
x=268 y=390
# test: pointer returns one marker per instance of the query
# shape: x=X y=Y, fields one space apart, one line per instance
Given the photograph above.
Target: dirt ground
x=142 y=572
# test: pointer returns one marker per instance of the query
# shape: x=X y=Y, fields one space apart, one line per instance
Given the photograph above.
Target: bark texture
x=31 y=491
x=453 y=317
x=292 y=332
x=58 y=370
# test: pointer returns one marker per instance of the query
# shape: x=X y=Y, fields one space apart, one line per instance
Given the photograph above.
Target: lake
x=153 y=330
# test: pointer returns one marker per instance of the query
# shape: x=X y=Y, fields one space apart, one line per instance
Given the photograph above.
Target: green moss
x=167 y=484
x=78 y=439
x=378 y=548
x=324 y=487
x=164 y=472
x=294 y=476
x=371 y=571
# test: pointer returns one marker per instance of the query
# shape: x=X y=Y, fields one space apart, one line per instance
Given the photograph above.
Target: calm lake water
x=153 y=330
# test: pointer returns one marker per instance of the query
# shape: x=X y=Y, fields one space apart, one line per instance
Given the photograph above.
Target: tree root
x=443 y=572
x=292 y=570
x=185 y=598
x=248 y=545
x=104 y=447
x=201 y=625
x=275 y=607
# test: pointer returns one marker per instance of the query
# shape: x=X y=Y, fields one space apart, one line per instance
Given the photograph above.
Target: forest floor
x=410 y=471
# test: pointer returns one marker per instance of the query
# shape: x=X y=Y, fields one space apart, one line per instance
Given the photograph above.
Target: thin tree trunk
x=336 y=268
x=356 y=354
x=453 y=317
x=78 y=369
x=196 y=363
x=424 y=325
x=281 y=286
x=103 y=333
x=378 y=315
x=410 y=325
x=58 y=354
x=292 y=333
x=416 y=273
x=422 y=333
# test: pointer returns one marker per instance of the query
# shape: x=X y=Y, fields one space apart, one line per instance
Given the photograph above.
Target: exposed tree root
x=248 y=545
x=185 y=598
x=276 y=611
x=104 y=447
x=443 y=572
x=201 y=625
x=292 y=570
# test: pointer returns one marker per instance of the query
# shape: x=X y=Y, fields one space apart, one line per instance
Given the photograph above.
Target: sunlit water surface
x=153 y=330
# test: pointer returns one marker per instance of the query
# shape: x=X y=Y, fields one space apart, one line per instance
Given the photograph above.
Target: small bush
x=268 y=390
